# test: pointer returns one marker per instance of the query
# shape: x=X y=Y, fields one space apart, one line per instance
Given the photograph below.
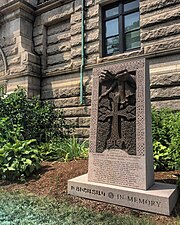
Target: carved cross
x=116 y=140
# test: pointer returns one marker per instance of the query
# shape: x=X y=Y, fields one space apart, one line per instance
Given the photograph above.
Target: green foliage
x=64 y=150
x=166 y=139
x=18 y=160
x=24 y=124
x=9 y=132
x=38 y=119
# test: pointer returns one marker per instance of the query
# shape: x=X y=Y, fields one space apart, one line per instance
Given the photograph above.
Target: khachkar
x=121 y=157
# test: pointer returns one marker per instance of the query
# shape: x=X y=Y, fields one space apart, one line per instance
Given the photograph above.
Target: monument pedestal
x=120 y=167
x=160 y=198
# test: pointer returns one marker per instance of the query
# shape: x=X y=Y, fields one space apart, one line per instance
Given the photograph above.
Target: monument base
x=160 y=198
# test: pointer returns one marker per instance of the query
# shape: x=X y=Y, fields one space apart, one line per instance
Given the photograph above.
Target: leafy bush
x=18 y=160
x=166 y=139
x=64 y=150
x=38 y=119
x=9 y=132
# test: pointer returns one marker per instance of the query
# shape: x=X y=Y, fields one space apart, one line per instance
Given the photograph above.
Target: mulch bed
x=52 y=181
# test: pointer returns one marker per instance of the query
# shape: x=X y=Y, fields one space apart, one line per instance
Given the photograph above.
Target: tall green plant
x=64 y=150
x=166 y=139
x=38 y=119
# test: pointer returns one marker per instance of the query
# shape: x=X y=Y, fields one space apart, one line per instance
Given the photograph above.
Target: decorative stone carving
x=117 y=112
x=121 y=158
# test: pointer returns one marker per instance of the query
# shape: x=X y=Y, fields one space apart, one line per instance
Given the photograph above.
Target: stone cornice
x=16 y=4
x=16 y=9
x=47 y=6
x=23 y=74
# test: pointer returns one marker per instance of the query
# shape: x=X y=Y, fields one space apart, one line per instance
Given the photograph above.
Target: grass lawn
x=17 y=208
x=27 y=203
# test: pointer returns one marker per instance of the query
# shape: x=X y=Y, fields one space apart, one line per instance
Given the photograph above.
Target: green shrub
x=166 y=139
x=18 y=160
x=9 y=132
x=38 y=119
x=64 y=150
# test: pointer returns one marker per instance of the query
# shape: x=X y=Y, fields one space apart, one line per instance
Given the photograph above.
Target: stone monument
x=121 y=157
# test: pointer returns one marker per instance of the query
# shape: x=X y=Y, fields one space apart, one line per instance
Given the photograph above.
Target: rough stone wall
x=41 y=41
x=60 y=30
x=21 y=65
x=160 y=36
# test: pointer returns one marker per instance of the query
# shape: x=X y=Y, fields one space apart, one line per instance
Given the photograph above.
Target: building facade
x=50 y=47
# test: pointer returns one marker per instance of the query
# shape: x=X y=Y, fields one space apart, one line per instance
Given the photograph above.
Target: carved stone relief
x=117 y=112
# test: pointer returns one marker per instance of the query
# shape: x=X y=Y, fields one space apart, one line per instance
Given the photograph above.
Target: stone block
x=160 y=198
x=92 y=23
x=58 y=48
x=77 y=111
x=66 y=102
x=81 y=132
x=148 y=6
x=57 y=14
x=72 y=121
x=58 y=68
x=8 y=41
x=93 y=48
x=92 y=36
x=78 y=5
x=165 y=93
x=93 y=11
x=60 y=92
x=84 y=121
x=92 y=59
x=76 y=52
x=158 y=46
x=13 y=60
x=59 y=27
x=160 y=32
x=38 y=40
x=76 y=40
x=160 y=18
x=10 y=50
x=76 y=18
x=58 y=58
x=76 y=29
x=38 y=30
x=30 y=58
x=165 y=80
x=172 y=104
x=56 y=38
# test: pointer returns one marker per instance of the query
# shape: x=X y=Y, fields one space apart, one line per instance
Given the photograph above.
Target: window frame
x=121 y=28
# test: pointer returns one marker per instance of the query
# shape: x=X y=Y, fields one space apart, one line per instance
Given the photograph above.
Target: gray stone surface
x=116 y=165
x=160 y=198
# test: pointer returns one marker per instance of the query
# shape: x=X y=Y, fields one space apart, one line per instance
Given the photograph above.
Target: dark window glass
x=112 y=12
x=121 y=27
x=131 y=5
x=131 y=21
x=112 y=28
x=132 y=40
x=112 y=45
